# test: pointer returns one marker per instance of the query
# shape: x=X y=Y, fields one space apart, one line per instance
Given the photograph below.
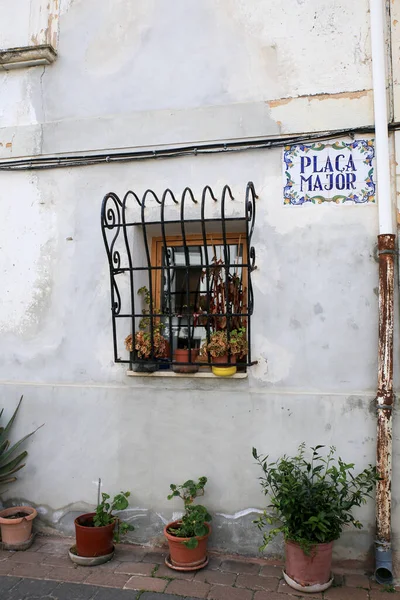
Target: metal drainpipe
x=384 y=404
x=386 y=252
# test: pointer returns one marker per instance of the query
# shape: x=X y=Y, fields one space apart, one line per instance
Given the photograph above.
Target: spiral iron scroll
x=111 y=214
x=250 y=213
x=251 y=197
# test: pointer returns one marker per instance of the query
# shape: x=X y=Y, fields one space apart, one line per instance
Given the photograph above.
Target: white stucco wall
x=157 y=74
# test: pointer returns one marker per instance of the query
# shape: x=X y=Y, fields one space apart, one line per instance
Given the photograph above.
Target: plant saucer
x=307 y=589
x=89 y=561
x=169 y=564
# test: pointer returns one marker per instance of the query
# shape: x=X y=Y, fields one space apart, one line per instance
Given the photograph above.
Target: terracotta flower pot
x=16 y=531
x=309 y=570
x=93 y=541
x=182 y=355
x=224 y=371
x=180 y=555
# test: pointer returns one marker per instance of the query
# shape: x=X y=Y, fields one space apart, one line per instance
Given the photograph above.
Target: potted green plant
x=311 y=502
x=221 y=310
x=149 y=343
x=187 y=537
x=96 y=532
x=15 y=521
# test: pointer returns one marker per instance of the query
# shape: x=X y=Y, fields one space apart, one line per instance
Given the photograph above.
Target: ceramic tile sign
x=340 y=172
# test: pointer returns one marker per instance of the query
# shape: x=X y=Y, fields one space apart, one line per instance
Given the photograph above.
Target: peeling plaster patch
x=57 y=515
x=241 y=513
x=41 y=290
x=42 y=510
x=342 y=95
x=297 y=52
x=339 y=96
x=280 y=102
x=274 y=362
x=26 y=276
x=162 y=519
x=135 y=517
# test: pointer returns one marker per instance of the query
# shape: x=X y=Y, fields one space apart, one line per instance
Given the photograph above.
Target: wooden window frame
x=216 y=239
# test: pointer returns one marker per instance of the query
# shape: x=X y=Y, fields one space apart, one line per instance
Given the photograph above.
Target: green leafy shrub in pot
x=196 y=517
x=312 y=500
x=104 y=514
x=95 y=532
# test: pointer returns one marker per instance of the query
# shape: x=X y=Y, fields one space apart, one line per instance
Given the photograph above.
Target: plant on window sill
x=220 y=347
x=221 y=309
x=187 y=351
x=146 y=346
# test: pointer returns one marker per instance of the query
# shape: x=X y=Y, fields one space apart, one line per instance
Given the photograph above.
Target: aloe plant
x=9 y=463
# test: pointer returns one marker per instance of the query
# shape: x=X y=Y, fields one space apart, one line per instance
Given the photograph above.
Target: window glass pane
x=184 y=288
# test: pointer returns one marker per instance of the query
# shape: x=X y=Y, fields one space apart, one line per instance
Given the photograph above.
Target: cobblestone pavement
x=44 y=572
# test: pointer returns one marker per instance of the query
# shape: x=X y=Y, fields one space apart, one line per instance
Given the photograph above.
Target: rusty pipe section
x=384 y=405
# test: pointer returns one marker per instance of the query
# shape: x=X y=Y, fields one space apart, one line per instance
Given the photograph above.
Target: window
x=180 y=302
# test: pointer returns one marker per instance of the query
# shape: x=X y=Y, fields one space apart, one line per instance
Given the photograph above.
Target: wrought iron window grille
x=177 y=280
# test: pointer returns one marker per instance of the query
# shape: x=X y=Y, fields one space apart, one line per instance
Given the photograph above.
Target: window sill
x=187 y=375
x=27 y=56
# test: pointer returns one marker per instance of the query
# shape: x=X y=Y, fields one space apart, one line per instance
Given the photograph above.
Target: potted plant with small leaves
x=188 y=536
x=225 y=350
x=311 y=501
x=148 y=345
x=96 y=532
